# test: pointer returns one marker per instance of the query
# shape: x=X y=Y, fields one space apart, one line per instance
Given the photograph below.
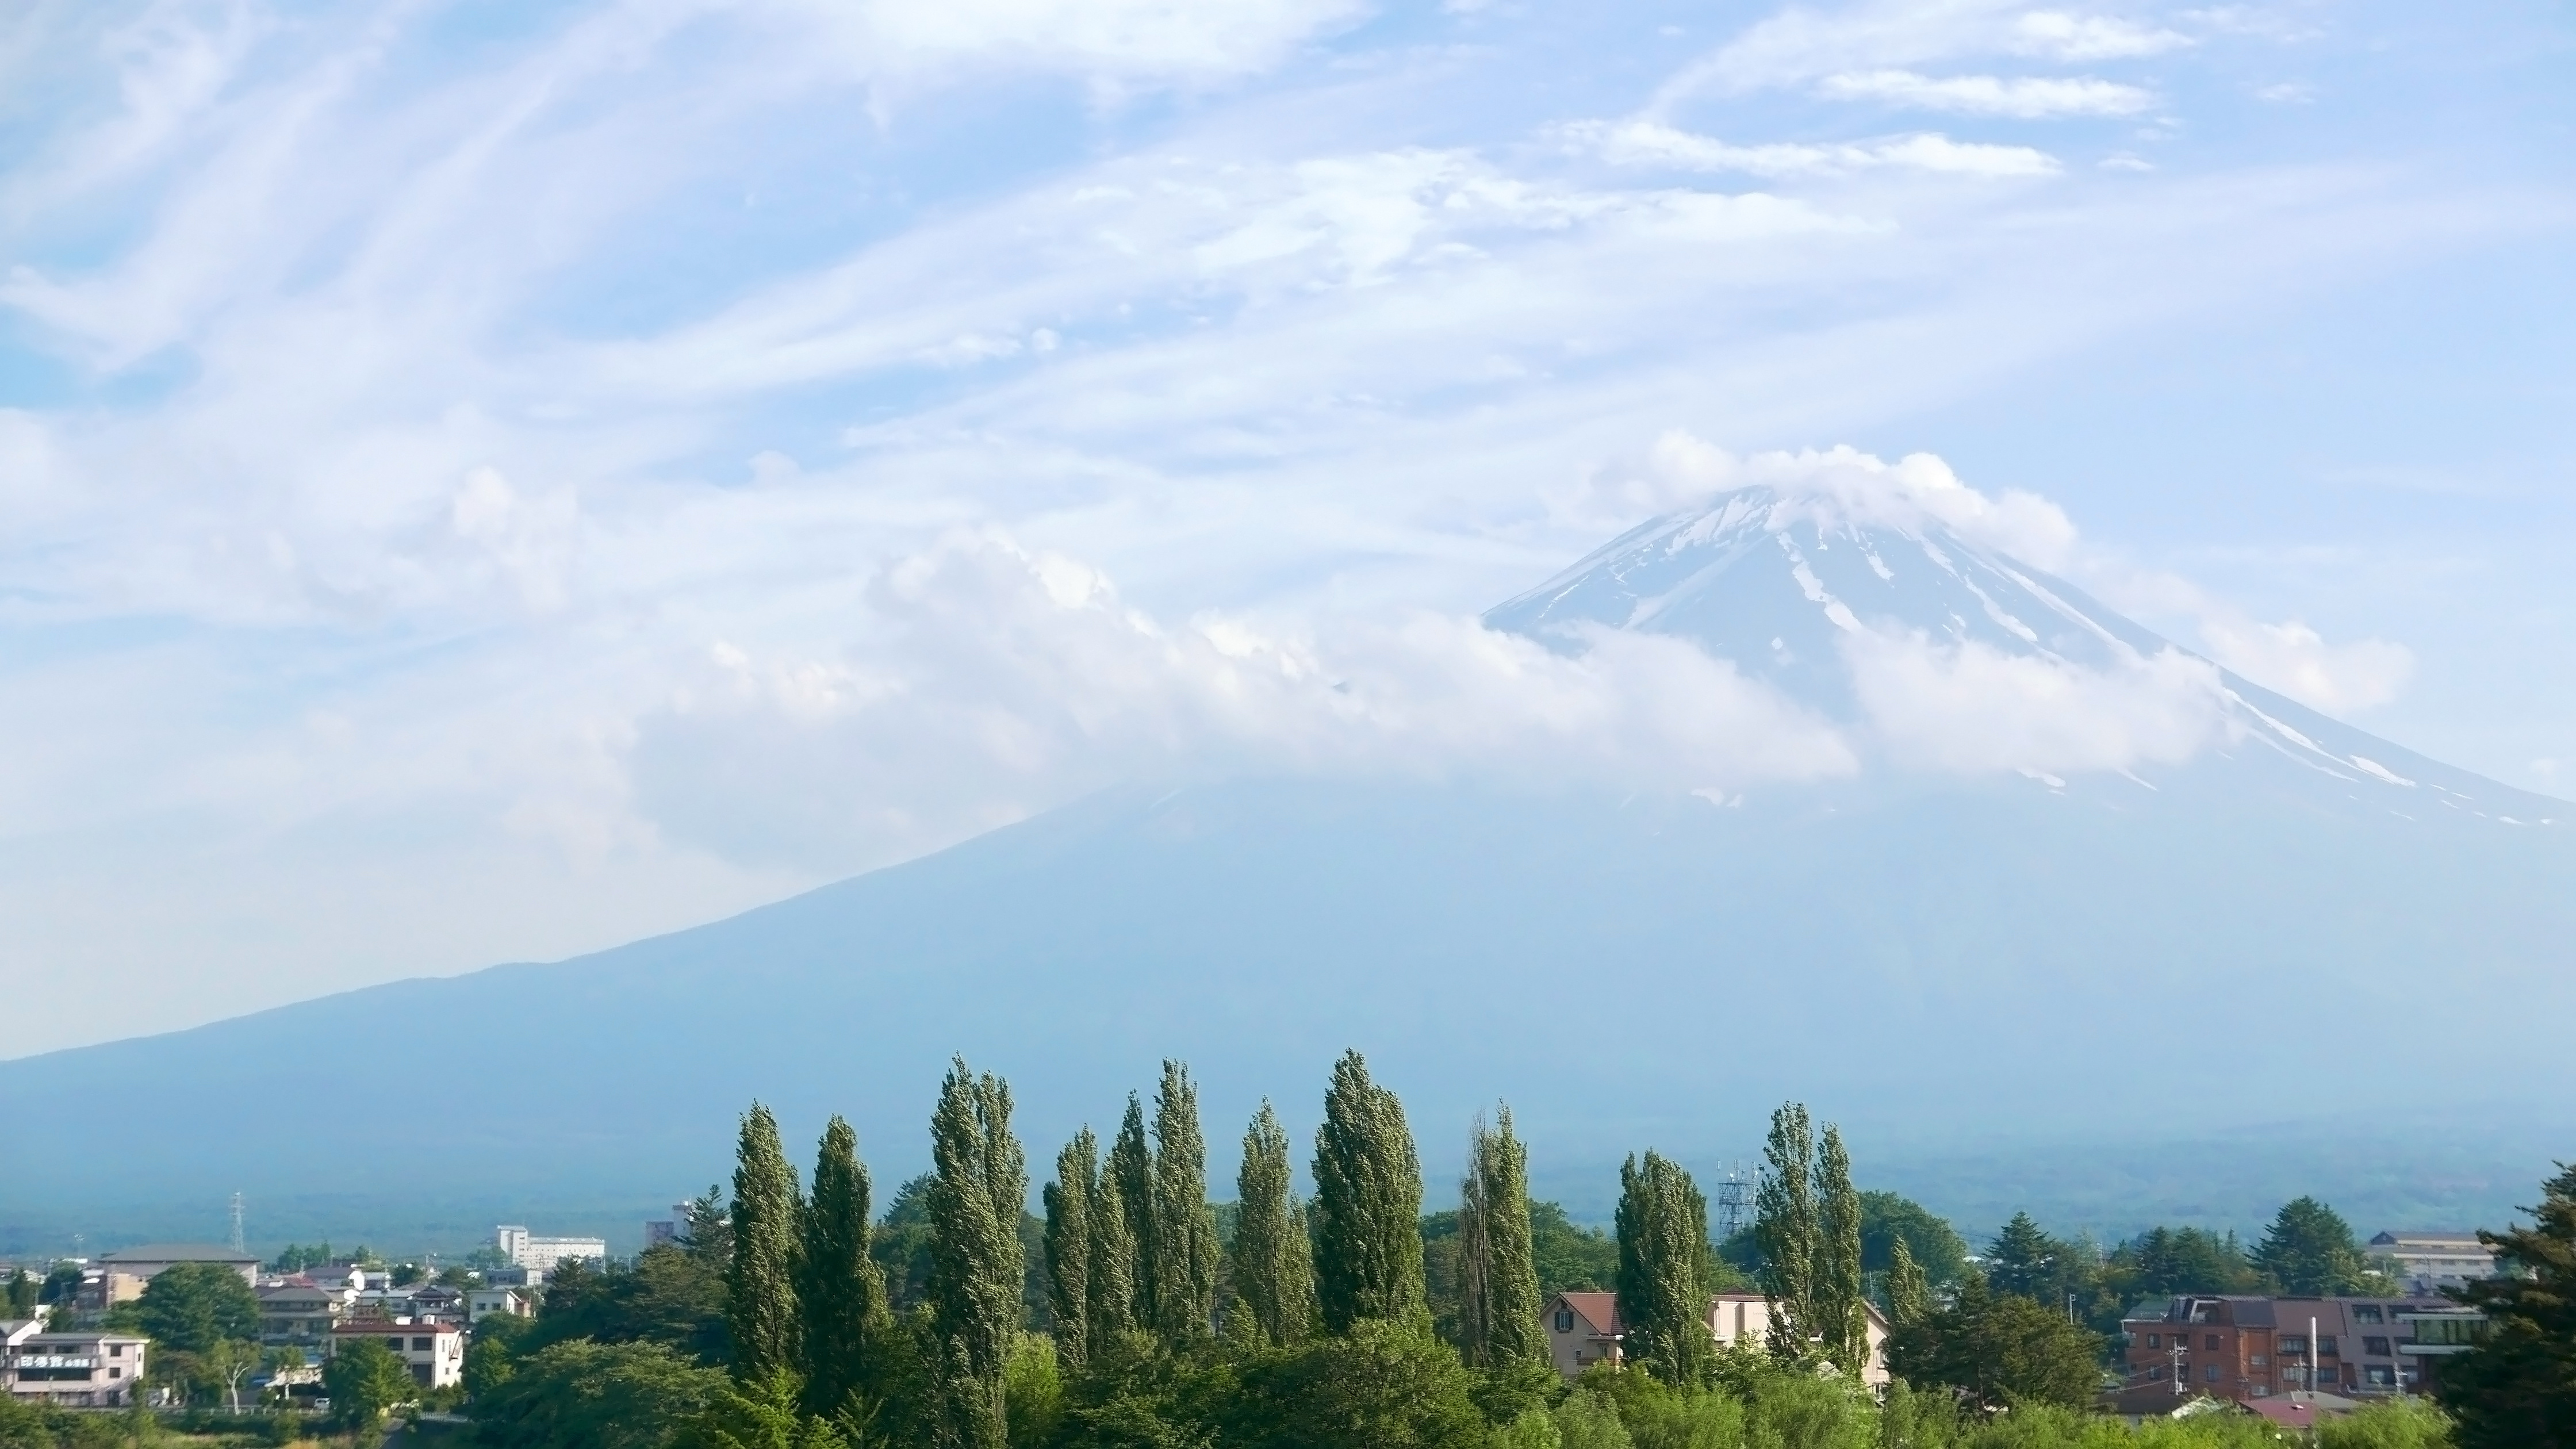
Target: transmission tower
x=1731 y=1201
x=237 y=1224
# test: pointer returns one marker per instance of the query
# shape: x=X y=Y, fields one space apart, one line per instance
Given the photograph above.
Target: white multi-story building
x=542 y=1254
x=73 y=1370
x=2431 y=1262
x=434 y=1352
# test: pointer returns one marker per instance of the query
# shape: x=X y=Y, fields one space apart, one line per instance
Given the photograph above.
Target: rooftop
x=178 y=1253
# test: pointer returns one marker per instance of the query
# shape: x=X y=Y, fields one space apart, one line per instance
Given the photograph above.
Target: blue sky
x=480 y=482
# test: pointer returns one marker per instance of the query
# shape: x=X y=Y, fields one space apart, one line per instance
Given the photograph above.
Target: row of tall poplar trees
x=1132 y=1262
x=1807 y=1230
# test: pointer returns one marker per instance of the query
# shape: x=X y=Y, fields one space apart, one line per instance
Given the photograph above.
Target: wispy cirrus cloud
x=1649 y=143
x=2022 y=97
x=402 y=415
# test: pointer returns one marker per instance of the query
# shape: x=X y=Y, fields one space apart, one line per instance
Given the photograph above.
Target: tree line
x=1134 y=1311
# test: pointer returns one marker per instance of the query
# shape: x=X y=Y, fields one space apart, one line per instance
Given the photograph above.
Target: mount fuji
x=2087 y=898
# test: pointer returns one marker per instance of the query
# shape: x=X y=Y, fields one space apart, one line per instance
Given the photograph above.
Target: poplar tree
x=840 y=1289
x=1131 y=1162
x=1368 y=1206
x=1909 y=1294
x=1663 y=1270
x=1785 y=1229
x=1841 y=1322
x=1513 y=1333
x=1112 y=1289
x=760 y=1283
x=1068 y=1245
x=977 y=1268
x=1474 y=1247
x=1185 y=1248
x=1273 y=1274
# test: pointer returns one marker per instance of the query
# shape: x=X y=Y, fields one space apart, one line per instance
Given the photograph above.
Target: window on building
x=2293 y=1344
x=2380 y=1374
x=2375 y=1347
x=2210 y=1373
x=2214 y=1341
x=421 y=1345
x=1564 y=1321
x=2262 y=1391
x=2156 y=1372
x=2155 y=1340
x=2325 y=1344
x=2366 y=1313
x=2261 y=1360
x=116 y=1373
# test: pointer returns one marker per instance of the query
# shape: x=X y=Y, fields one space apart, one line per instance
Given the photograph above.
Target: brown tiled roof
x=1599 y=1311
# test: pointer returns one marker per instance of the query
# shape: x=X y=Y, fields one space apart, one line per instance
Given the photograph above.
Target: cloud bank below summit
x=980 y=681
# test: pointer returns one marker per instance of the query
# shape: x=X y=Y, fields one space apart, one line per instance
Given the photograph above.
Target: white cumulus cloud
x=988 y=681
x=1975 y=709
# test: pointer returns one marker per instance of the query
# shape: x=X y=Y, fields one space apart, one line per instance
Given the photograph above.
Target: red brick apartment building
x=2246 y=1348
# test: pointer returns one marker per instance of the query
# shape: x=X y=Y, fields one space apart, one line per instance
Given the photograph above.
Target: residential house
x=1746 y=1317
x=73 y=1370
x=434 y=1352
x=1583 y=1328
x=302 y=1311
x=482 y=1302
x=2244 y=1348
x=528 y=1251
x=2427 y=1263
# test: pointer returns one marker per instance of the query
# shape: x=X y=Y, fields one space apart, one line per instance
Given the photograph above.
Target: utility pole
x=2181 y=1375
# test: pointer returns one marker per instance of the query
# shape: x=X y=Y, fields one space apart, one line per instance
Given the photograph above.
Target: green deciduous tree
x=1498 y=1299
x=228 y=1363
x=1273 y=1269
x=2000 y=1351
x=1841 y=1325
x=1111 y=1291
x=594 y=1396
x=1787 y=1232
x=1887 y=1219
x=191 y=1307
x=2309 y=1249
x=978 y=1267
x=2519 y=1385
x=1068 y=1202
x=761 y=1415
x=1909 y=1293
x=1368 y=1206
x=365 y=1379
x=1185 y=1246
x=760 y=1286
x=1663 y=1270
x=840 y=1290
x=1131 y=1165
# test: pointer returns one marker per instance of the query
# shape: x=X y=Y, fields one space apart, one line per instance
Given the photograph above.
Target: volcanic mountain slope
x=2260 y=920
x=1811 y=593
